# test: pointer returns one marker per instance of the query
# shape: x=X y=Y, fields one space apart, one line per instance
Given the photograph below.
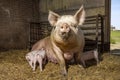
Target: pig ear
x=80 y=15
x=53 y=18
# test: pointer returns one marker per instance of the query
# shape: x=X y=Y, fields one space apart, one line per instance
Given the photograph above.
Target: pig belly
x=52 y=59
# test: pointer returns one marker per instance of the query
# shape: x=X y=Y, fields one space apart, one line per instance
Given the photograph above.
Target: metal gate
x=92 y=28
x=94 y=32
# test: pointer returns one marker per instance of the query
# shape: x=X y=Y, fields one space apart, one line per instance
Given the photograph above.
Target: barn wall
x=15 y=16
x=92 y=7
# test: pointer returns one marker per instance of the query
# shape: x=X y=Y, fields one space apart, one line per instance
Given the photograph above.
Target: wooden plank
x=90 y=28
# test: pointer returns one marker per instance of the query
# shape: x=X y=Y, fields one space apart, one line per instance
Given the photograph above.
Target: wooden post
x=107 y=23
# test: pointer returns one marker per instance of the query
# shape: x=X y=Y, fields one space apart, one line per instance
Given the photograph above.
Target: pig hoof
x=80 y=66
x=33 y=69
x=64 y=73
x=41 y=70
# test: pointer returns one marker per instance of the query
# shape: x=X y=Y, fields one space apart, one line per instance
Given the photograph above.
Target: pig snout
x=29 y=59
x=65 y=28
x=65 y=31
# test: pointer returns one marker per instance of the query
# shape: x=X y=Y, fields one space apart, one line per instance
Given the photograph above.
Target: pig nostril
x=66 y=27
x=63 y=33
x=62 y=27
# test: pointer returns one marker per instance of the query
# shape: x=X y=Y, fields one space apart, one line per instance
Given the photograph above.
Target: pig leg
x=77 y=58
x=31 y=63
x=97 y=60
x=83 y=63
x=61 y=60
x=34 y=63
x=96 y=56
x=40 y=61
x=44 y=60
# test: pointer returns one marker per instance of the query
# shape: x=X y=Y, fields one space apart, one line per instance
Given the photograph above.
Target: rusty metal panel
x=38 y=31
x=94 y=34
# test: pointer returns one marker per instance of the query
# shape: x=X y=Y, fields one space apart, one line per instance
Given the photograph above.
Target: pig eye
x=75 y=26
x=61 y=27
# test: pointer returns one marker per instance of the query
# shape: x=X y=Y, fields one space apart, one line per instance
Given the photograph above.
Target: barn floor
x=13 y=66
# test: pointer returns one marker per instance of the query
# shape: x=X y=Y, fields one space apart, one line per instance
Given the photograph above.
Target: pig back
x=40 y=44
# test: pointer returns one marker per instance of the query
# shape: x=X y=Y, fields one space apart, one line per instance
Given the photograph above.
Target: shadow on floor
x=115 y=52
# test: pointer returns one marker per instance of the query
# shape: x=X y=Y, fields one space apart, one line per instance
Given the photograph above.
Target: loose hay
x=13 y=66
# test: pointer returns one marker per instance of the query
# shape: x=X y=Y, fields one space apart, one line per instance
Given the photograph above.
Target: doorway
x=115 y=27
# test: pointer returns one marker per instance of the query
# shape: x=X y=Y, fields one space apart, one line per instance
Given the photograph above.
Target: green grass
x=112 y=41
x=115 y=37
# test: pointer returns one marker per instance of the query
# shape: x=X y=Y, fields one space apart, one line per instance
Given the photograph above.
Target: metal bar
x=97 y=17
x=91 y=22
x=87 y=20
x=90 y=28
x=29 y=37
x=90 y=34
x=102 y=34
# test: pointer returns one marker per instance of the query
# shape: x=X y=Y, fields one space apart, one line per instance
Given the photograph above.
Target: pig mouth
x=65 y=36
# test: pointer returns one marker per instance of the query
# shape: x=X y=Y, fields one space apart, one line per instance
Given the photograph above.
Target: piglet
x=93 y=54
x=36 y=56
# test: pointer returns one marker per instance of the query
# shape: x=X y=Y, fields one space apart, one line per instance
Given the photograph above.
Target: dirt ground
x=115 y=48
x=13 y=66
